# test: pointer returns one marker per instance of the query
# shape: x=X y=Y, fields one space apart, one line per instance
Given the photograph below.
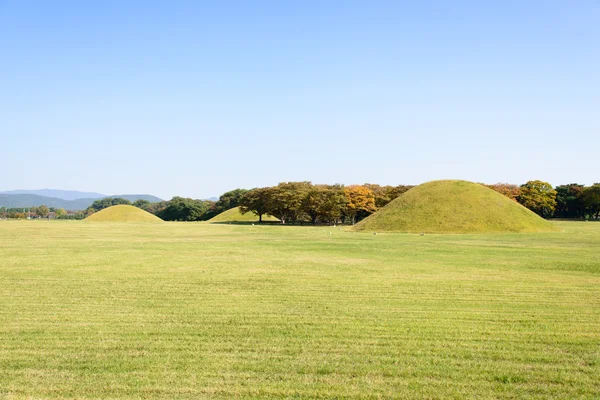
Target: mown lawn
x=194 y=310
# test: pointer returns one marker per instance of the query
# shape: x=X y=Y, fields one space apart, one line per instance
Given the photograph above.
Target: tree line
x=41 y=211
x=293 y=202
x=564 y=201
x=304 y=202
x=290 y=202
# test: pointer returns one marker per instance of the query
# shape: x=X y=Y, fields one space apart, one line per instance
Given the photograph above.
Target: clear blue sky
x=195 y=98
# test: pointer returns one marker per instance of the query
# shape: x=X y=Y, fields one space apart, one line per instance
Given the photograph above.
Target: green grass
x=196 y=310
x=122 y=213
x=454 y=207
x=234 y=215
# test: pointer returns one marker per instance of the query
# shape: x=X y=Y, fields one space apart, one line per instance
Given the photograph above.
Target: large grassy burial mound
x=454 y=206
x=123 y=213
x=234 y=215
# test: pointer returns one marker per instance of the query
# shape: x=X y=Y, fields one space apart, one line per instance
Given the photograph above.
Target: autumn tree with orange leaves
x=359 y=199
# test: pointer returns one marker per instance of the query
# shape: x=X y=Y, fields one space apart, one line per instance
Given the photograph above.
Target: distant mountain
x=33 y=200
x=59 y=194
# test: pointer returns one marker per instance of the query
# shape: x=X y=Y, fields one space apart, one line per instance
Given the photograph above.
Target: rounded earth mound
x=234 y=215
x=454 y=206
x=123 y=213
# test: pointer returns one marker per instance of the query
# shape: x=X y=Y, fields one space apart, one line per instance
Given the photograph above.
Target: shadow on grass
x=271 y=223
x=573 y=220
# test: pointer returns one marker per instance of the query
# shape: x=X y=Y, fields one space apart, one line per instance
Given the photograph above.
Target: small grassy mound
x=453 y=206
x=234 y=215
x=123 y=213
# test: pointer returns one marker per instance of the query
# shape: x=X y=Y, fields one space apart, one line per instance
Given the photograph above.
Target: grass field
x=197 y=310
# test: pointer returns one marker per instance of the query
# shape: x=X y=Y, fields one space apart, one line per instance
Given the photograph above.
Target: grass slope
x=234 y=215
x=453 y=206
x=176 y=310
x=123 y=213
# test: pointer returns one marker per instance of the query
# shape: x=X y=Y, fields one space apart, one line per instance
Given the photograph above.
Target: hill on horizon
x=33 y=200
x=123 y=213
x=58 y=193
x=454 y=206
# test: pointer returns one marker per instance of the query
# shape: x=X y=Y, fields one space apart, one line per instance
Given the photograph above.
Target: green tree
x=61 y=213
x=105 y=203
x=591 y=200
x=79 y=215
x=141 y=203
x=183 y=209
x=385 y=194
x=42 y=211
x=312 y=200
x=256 y=201
x=394 y=192
x=155 y=208
x=324 y=202
x=569 y=201
x=332 y=203
x=285 y=200
x=380 y=193
x=539 y=197
x=211 y=210
x=229 y=200
x=118 y=200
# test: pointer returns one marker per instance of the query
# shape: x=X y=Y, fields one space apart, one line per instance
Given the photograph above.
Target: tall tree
x=359 y=199
x=285 y=200
x=42 y=211
x=539 y=197
x=385 y=194
x=324 y=202
x=141 y=203
x=155 y=208
x=105 y=203
x=229 y=200
x=569 y=201
x=394 y=192
x=332 y=203
x=183 y=209
x=211 y=210
x=591 y=199
x=255 y=201
x=118 y=200
x=311 y=202
x=381 y=194
x=60 y=213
